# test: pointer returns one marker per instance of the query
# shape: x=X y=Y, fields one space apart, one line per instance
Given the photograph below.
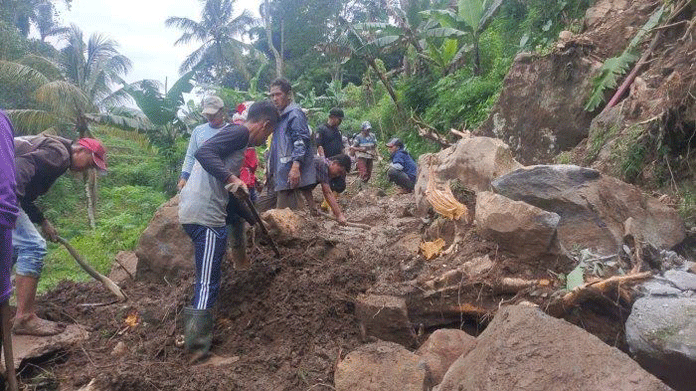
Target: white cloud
x=138 y=27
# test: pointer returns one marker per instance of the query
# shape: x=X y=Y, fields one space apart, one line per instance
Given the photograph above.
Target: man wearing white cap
x=213 y=111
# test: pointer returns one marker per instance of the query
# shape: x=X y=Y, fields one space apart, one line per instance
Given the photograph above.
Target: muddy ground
x=284 y=324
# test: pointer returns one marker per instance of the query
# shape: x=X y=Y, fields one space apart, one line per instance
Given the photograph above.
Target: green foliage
x=462 y=100
x=615 y=67
x=535 y=24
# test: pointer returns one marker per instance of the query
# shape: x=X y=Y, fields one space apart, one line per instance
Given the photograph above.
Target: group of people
x=217 y=178
x=219 y=171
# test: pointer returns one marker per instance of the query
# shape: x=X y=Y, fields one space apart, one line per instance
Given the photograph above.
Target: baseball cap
x=336 y=112
x=366 y=125
x=212 y=104
x=395 y=142
x=97 y=149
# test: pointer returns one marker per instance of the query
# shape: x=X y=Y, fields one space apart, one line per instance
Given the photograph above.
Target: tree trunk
x=269 y=37
x=477 y=59
x=384 y=80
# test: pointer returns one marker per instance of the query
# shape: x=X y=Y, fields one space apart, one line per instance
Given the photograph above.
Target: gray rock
x=661 y=333
x=593 y=207
x=518 y=227
x=523 y=349
x=680 y=279
x=659 y=287
x=539 y=112
x=164 y=250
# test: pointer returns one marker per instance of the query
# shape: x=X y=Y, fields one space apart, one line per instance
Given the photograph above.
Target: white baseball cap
x=212 y=104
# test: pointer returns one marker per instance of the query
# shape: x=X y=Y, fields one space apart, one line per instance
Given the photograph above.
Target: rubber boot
x=198 y=332
x=237 y=247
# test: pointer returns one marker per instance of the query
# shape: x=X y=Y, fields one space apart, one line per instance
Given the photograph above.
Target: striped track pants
x=210 y=245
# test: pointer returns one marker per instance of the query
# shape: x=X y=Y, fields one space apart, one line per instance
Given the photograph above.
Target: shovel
x=243 y=194
x=106 y=281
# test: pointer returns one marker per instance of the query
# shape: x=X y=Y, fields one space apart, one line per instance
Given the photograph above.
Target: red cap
x=97 y=149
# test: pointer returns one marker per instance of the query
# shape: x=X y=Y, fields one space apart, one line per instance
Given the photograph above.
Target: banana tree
x=471 y=18
x=161 y=109
x=365 y=50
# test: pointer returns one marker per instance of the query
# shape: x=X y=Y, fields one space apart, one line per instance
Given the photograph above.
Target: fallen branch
x=464 y=134
x=106 y=281
x=348 y=223
x=427 y=131
x=587 y=291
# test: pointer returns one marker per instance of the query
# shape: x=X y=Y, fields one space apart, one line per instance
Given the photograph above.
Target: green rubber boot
x=198 y=332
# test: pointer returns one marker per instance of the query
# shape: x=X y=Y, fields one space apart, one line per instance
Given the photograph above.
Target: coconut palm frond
x=64 y=97
x=31 y=121
x=45 y=66
x=12 y=71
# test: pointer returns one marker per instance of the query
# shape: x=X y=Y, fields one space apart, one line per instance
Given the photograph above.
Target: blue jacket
x=401 y=157
x=291 y=142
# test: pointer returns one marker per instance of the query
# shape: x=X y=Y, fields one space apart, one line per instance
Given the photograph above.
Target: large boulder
x=540 y=110
x=516 y=226
x=525 y=349
x=593 y=207
x=661 y=333
x=164 y=249
x=381 y=366
x=440 y=350
x=473 y=161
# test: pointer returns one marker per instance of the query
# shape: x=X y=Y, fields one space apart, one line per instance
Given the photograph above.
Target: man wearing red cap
x=39 y=162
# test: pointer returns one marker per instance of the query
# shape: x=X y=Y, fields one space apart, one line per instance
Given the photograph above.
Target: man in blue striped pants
x=202 y=212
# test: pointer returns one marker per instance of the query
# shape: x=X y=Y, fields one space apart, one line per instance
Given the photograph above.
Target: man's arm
x=189 y=159
x=211 y=154
x=333 y=204
x=299 y=134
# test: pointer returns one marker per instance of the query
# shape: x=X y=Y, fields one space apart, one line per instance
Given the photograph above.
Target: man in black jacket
x=329 y=137
x=39 y=162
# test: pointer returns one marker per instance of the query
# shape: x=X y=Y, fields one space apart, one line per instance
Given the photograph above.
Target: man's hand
x=237 y=187
x=180 y=185
x=294 y=175
x=49 y=232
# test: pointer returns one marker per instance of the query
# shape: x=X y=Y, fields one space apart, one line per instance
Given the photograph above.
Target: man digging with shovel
x=39 y=162
x=202 y=212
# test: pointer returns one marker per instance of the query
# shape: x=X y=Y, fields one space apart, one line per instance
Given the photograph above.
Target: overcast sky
x=138 y=26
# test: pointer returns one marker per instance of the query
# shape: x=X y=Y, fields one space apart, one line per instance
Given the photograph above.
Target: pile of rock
x=522 y=349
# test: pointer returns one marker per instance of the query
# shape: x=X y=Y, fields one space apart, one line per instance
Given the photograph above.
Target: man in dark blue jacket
x=403 y=169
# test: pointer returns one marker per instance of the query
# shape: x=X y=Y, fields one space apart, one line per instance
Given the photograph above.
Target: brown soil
x=283 y=324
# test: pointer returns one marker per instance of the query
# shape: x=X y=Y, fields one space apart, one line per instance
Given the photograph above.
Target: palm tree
x=94 y=67
x=45 y=22
x=219 y=33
